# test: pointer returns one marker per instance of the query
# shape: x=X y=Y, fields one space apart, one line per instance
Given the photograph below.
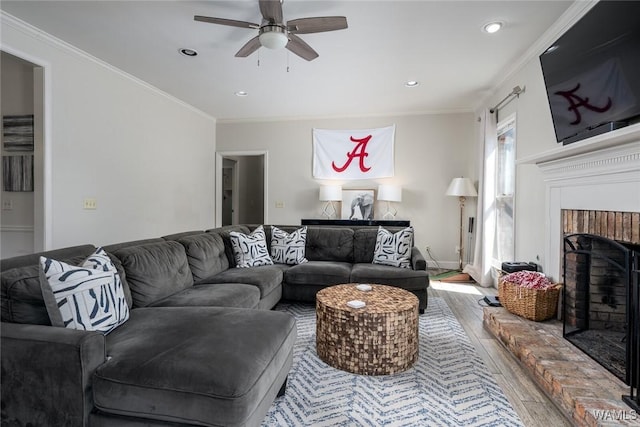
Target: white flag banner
x=353 y=154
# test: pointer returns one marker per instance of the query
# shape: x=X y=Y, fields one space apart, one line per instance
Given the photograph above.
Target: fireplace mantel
x=606 y=177
x=619 y=137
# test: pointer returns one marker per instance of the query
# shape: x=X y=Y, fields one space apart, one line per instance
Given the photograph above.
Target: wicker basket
x=532 y=304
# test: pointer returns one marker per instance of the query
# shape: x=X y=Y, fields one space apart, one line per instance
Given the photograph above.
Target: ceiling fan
x=274 y=33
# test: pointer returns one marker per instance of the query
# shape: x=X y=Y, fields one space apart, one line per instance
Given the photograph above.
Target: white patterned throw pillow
x=87 y=297
x=250 y=250
x=394 y=248
x=288 y=248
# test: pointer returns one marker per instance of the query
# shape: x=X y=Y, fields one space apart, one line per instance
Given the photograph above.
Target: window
x=505 y=171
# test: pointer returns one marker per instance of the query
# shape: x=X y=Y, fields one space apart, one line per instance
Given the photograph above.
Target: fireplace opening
x=597 y=306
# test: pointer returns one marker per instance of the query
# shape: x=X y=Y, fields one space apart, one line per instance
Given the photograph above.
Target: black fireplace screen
x=597 y=276
x=601 y=305
x=633 y=399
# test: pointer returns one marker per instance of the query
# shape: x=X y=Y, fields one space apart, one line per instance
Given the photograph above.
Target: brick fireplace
x=592 y=188
x=600 y=306
x=597 y=266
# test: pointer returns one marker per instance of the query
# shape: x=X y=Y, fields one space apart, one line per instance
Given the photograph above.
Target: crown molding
x=570 y=16
x=8 y=20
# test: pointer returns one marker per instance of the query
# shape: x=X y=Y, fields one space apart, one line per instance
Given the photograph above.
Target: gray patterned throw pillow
x=394 y=249
x=250 y=250
x=288 y=248
x=88 y=297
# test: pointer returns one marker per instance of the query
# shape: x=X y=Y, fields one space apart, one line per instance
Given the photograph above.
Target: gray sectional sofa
x=201 y=346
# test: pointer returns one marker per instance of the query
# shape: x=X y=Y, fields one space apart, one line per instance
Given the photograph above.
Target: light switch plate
x=89 y=203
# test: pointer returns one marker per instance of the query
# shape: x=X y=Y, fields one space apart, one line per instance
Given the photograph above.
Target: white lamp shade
x=390 y=193
x=461 y=187
x=329 y=193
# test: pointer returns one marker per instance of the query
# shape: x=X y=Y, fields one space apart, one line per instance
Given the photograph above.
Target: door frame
x=220 y=155
x=43 y=200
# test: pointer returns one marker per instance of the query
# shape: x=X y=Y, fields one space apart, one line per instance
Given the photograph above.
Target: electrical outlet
x=90 y=204
x=457 y=249
x=279 y=204
x=7 y=204
x=428 y=248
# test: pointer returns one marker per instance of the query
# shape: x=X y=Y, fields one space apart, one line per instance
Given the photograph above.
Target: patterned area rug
x=448 y=386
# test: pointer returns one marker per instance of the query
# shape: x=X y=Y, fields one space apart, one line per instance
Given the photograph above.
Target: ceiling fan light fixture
x=273 y=37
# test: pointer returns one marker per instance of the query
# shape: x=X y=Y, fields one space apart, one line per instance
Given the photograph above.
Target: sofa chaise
x=201 y=345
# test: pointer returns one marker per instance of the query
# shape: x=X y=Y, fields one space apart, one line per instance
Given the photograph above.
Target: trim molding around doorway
x=43 y=204
x=220 y=155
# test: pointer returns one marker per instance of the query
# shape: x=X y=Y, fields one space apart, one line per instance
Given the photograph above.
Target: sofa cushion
x=155 y=270
x=364 y=242
x=288 y=248
x=206 y=255
x=318 y=273
x=394 y=249
x=250 y=250
x=405 y=278
x=329 y=244
x=86 y=297
x=225 y=233
x=21 y=297
x=213 y=295
x=110 y=249
x=266 y=277
x=207 y=376
x=20 y=292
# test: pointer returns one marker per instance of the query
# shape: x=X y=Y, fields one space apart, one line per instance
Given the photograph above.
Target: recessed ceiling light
x=188 y=52
x=242 y=93
x=492 y=27
x=411 y=83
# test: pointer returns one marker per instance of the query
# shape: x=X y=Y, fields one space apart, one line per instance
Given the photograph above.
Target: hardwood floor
x=527 y=399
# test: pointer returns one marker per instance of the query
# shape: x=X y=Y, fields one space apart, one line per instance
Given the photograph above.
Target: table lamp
x=389 y=193
x=330 y=194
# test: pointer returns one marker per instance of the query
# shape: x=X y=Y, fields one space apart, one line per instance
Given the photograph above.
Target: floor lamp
x=462 y=188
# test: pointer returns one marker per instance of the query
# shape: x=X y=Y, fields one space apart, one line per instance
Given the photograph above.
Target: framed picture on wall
x=358 y=204
x=17 y=134
x=17 y=173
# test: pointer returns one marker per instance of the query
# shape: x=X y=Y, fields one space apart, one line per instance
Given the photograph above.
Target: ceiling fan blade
x=317 y=25
x=249 y=47
x=301 y=48
x=229 y=22
x=271 y=10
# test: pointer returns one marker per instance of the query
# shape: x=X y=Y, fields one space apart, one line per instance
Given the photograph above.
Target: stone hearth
x=583 y=390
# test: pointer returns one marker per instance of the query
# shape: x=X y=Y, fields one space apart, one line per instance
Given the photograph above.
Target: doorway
x=241 y=187
x=22 y=225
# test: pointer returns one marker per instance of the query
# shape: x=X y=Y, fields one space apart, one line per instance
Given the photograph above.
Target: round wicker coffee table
x=378 y=339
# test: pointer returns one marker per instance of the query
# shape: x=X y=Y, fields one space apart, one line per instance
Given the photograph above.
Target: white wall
x=534 y=135
x=535 y=140
x=147 y=158
x=430 y=150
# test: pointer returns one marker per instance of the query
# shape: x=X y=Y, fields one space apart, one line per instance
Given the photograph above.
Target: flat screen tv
x=592 y=72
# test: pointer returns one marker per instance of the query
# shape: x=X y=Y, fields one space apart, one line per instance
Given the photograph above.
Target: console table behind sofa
x=352 y=222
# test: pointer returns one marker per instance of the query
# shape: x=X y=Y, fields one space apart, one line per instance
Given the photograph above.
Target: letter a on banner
x=353 y=154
